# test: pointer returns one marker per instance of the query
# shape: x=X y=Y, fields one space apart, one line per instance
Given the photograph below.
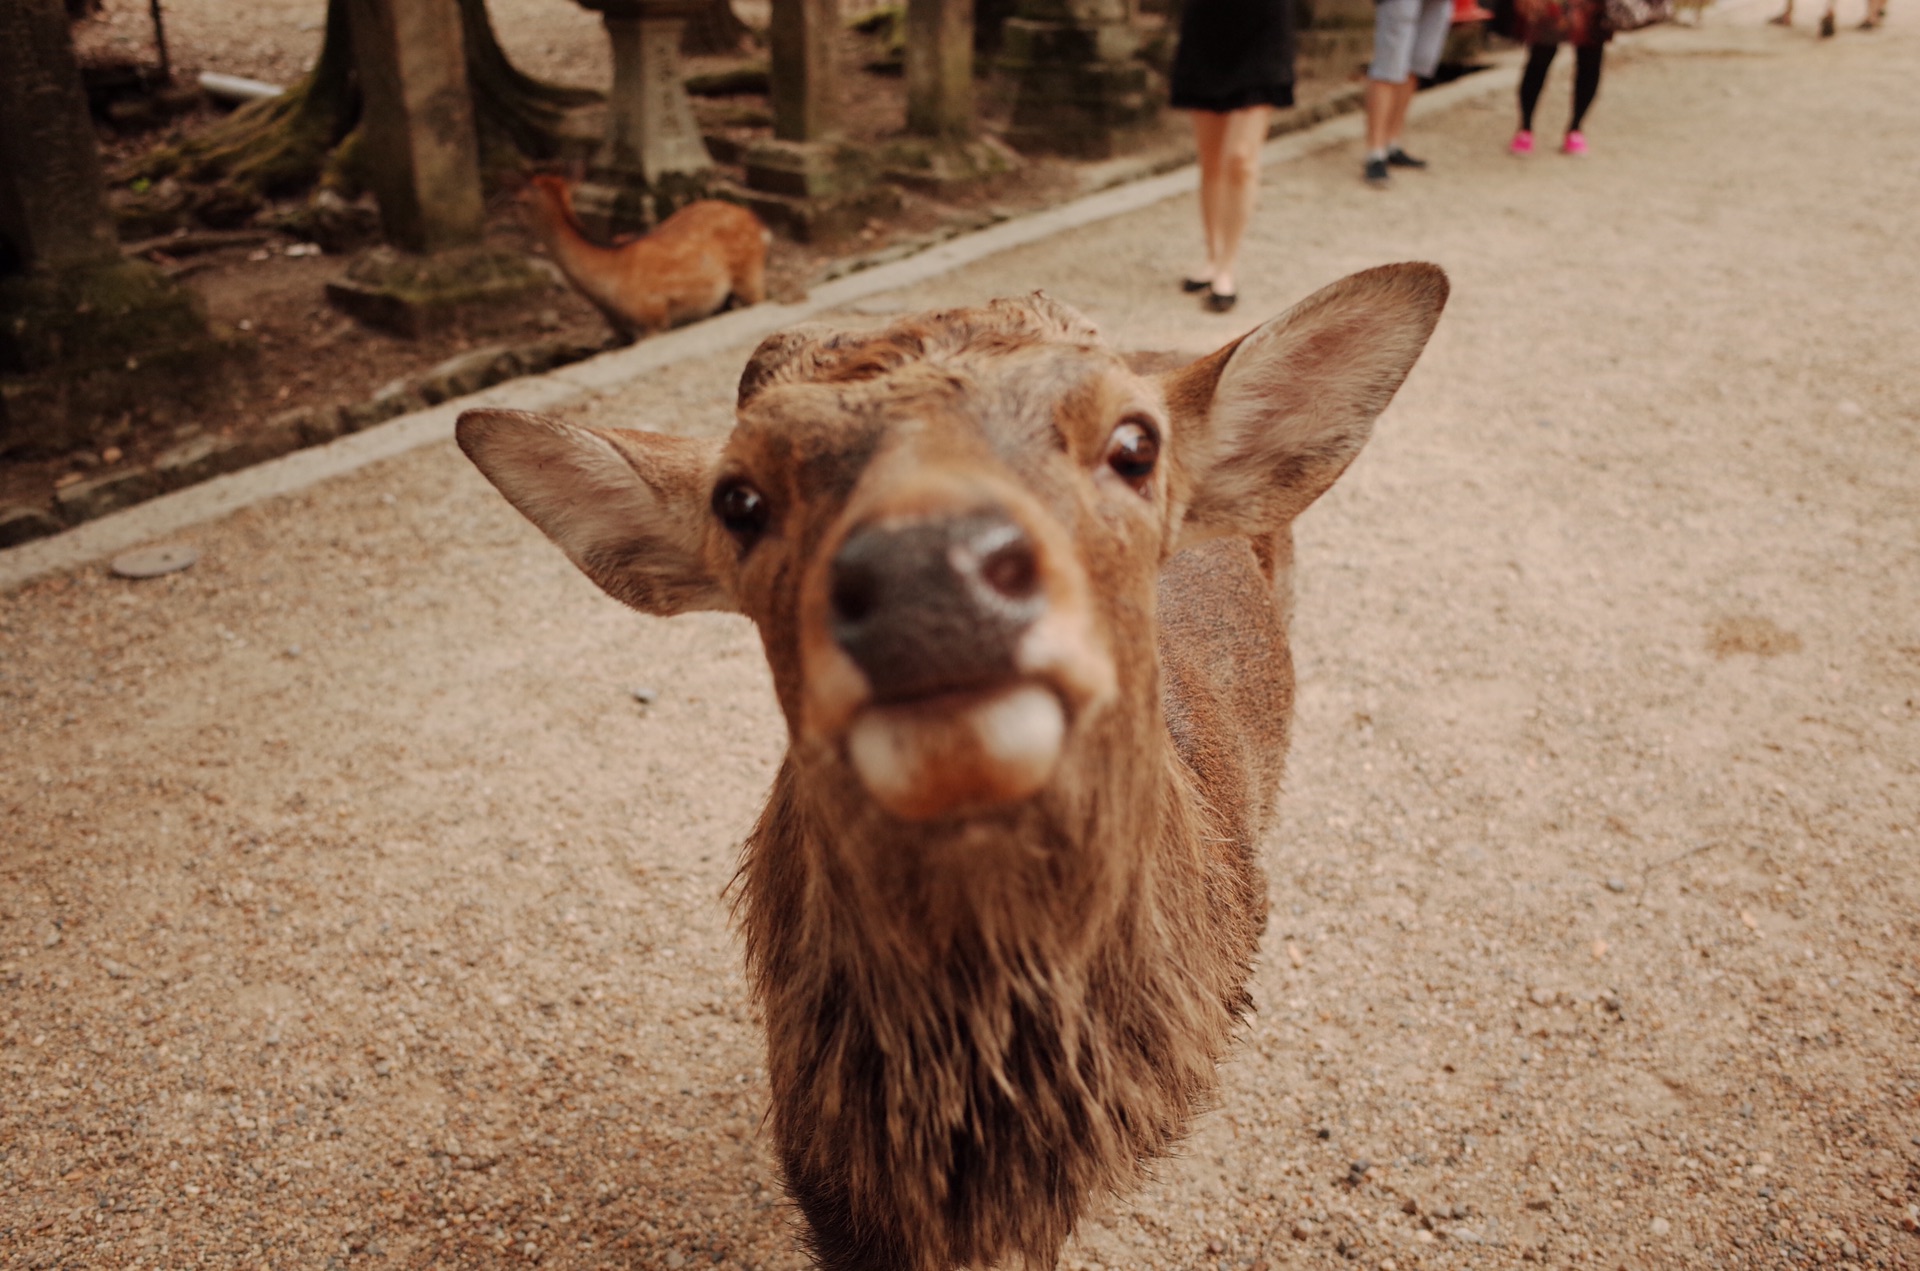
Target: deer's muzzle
x=935 y=607
x=953 y=650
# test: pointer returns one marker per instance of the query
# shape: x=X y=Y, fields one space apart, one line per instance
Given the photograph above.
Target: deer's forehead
x=823 y=435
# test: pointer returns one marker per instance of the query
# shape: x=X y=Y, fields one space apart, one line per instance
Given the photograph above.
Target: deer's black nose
x=935 y=606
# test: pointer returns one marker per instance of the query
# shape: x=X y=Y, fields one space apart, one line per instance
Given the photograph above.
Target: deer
x=684 y=270
x=1026 y=613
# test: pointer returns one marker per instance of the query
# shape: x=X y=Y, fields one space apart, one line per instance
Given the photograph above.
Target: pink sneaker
x=1575 y=144
x=1521 y=145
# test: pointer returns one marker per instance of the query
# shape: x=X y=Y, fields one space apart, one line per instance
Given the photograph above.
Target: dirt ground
x=354 y=910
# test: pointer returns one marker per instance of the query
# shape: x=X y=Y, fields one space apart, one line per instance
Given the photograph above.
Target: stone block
x=23 y=522
x=198 y=458
x=109 y=492
x=1076 y=12
x=1026 y=43
x=823 y=220
x=411 y=295
x=808 y=169
x=305 y=426
x=468 y=373
x=946 y=168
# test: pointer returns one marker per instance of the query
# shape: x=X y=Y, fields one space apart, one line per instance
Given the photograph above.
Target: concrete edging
x=302 y=469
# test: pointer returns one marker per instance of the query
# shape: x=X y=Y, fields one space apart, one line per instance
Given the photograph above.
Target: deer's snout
x=938 y=606
x=949 y=643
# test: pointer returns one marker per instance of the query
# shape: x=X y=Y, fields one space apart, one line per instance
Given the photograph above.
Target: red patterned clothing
x=1581 y=23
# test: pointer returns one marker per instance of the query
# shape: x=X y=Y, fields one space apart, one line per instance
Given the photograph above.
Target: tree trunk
x=715 y=31
x=285 y=144
x=511 y=107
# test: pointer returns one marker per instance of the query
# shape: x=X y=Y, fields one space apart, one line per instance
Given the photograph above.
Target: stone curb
x=224 y=494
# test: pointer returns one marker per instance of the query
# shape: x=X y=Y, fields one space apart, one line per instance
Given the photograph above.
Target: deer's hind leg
x=750 y=280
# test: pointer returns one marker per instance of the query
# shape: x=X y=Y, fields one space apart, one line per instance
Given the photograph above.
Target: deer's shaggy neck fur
x=975 y=1032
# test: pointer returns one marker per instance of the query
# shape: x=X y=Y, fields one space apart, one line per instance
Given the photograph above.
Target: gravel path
x=355 y=910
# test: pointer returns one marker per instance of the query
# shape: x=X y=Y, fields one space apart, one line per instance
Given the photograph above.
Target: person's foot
x=1826 y=26
x=1575 y=144
x=1522 y=144
x=1869 y=25
x=1398 y=158
x=1195 y=284
x=1782 y=19
x=1221 y=301
x=1376 y=173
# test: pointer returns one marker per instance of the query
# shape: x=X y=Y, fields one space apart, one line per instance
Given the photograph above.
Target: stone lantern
x=653 y=161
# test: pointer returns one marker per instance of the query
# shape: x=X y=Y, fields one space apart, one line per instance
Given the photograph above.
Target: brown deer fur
x=996 y=983
x=683 y=271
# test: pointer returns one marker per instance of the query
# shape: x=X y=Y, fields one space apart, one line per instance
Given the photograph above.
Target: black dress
x=1234 y=54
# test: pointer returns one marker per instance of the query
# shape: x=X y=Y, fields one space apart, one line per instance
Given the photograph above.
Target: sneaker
x=1376 y=174
x=1521 y=145
x=1575 y=144
x=1398 y=158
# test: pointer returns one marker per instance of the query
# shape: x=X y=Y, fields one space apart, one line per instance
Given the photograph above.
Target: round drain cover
x=151 y=562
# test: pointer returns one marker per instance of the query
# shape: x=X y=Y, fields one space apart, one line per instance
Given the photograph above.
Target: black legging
x=1586 y=80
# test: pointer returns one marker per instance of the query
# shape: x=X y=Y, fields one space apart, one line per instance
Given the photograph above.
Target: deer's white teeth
x=924 y=760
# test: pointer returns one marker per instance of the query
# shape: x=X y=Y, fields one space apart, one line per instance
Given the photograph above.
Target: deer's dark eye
x=741 y=508
x=1132 y=453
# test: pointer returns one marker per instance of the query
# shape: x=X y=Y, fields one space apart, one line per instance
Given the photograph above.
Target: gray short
x=1408 y=36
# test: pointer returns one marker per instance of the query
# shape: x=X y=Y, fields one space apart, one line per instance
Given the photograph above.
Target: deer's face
x=949 y=532
x=950 y=551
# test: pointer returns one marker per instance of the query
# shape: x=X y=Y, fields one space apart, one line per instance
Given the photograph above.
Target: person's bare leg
x=1246 y=132
x=1209 y=137
x=1826 y=20
x=1397 y=118
x=1784 y=17
x=1380 y=99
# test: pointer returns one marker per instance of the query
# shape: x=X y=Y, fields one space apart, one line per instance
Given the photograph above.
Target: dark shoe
x=1398 y=158
x=1377 y=175
x=1196 y=284
x=1826 y=27
x=1220 y=303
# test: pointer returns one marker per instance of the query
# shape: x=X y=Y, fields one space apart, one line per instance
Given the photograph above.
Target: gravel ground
x=355 y=910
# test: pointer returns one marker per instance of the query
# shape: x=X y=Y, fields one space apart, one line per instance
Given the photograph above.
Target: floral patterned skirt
x=1578 y=22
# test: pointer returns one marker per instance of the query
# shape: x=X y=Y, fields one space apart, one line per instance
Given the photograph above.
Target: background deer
x=1026 y=613
x=681 y=272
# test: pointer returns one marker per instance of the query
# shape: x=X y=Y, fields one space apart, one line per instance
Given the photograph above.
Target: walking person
x=1543 y=26
x=1408 y=38
x=1876 y=13
x=1233 y=66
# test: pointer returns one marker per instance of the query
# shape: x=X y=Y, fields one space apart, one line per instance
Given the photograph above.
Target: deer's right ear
x=629 y=508
x=1265 y=425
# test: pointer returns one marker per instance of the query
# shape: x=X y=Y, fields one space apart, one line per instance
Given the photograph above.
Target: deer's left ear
x=629 y=508
x=1263 y=427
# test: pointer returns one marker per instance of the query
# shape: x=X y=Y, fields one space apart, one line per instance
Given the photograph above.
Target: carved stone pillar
x=804 y=69
x=939 y=68
x=423 y=154
x=654 y=161
x=1078 y=88
x=423 y=160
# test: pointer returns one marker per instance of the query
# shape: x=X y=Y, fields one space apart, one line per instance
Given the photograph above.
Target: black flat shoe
x=1219 y=302
x=1196 y=284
